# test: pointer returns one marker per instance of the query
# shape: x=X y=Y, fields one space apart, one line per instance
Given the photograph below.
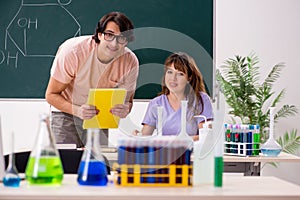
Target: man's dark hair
x=121 y=20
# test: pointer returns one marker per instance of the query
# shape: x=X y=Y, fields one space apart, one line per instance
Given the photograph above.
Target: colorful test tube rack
x=242 y=139
x=154 y=162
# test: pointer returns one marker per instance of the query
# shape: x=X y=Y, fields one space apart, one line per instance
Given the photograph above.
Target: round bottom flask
x=271 y=147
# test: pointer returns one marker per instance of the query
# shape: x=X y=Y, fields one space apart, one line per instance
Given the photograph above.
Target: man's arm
x=54 y=97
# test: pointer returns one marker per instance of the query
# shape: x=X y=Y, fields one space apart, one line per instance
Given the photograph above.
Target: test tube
x=151 y=161
x=256 y=140
x=249 y=141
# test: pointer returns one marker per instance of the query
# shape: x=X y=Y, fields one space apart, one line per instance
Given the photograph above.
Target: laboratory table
x=234 y=187
x=249 y=166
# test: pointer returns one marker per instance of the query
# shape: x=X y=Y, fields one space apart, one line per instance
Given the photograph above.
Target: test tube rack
x=242 y=140
x=154 y=162
x=158 y=175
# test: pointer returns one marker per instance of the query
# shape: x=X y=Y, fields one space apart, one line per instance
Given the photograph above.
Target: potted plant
x=249 y=100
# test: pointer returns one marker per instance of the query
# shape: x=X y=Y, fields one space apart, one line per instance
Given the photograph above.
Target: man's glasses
x=110 y=37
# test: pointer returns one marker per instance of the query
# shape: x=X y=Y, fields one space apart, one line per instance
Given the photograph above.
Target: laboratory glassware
x=11 y=177
x=92 y=168
x=271 y=147
x=44 y=165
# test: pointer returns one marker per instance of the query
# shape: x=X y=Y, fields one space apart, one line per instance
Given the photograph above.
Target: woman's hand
x=136 y=132
x=195 y=137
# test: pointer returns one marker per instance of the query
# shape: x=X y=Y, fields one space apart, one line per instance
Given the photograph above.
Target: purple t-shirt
x=171 y=124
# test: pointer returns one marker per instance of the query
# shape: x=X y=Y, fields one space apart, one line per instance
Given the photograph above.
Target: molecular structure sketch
x=37 y=29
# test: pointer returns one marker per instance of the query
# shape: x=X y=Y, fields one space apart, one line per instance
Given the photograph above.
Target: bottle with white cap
x=203 y=164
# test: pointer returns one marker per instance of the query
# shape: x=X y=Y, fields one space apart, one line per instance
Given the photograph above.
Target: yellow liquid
x=49 y=171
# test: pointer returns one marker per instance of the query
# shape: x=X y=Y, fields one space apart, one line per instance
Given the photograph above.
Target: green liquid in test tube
x=256 y=140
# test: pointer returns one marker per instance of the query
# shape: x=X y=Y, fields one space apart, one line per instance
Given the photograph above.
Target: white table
x=250 y=166
x=234 y=187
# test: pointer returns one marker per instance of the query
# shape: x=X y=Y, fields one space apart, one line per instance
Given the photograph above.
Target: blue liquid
x=151 y=161
x=271 y=152
x=96 y=174
x=11 y=182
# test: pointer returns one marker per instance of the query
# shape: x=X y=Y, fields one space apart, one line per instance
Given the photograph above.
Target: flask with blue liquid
x=271 y=147
x=11 y=177
x=92 y=168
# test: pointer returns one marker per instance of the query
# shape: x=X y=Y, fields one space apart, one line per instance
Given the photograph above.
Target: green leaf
x=290 y=142
x=247 y=97
x=274 y=74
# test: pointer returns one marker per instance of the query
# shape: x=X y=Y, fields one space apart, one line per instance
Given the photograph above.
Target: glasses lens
x=109 y=36
x=121 y=39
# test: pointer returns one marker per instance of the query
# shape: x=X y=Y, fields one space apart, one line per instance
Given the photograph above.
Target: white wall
x=21 y=117
x=271 y=29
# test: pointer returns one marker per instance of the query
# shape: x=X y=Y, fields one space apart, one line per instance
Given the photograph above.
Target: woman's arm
x=146 y=130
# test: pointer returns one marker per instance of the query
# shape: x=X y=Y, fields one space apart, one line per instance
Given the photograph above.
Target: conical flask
x=44 y=166
x=271 y=147
x=92 y=168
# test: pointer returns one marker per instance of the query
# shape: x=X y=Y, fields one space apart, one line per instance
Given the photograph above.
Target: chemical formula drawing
x=28 y=33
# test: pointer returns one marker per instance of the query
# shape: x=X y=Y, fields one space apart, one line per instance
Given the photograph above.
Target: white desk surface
x=282 y=157
x=234 y=187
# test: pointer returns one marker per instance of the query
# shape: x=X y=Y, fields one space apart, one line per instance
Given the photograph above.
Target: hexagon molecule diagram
x=38 y=28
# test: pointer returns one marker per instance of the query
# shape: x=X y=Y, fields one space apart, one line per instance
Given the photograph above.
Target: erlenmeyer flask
x=271 y=147
x=44 y=166
x=92 y=168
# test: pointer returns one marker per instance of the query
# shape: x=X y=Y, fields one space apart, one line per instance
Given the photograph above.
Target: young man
x=81 y=63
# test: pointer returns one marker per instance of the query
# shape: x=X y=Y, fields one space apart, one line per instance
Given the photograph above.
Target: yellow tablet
x=104 y=99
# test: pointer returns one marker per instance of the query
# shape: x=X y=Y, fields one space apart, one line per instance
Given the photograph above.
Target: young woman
x=182 y=81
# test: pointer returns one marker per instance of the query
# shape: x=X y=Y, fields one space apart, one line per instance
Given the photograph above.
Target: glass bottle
x=92 y=168
x=11 y=177
x=44 y=165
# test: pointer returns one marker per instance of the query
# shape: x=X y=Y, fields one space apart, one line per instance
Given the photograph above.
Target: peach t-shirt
x=76 y=64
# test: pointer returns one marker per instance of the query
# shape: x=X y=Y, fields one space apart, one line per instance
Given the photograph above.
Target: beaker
x=92 y=168
x=271 y=147
x=44 y=165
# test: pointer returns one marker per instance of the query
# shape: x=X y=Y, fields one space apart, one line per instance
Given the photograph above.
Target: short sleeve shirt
x=76 y=64
x=171 y=122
